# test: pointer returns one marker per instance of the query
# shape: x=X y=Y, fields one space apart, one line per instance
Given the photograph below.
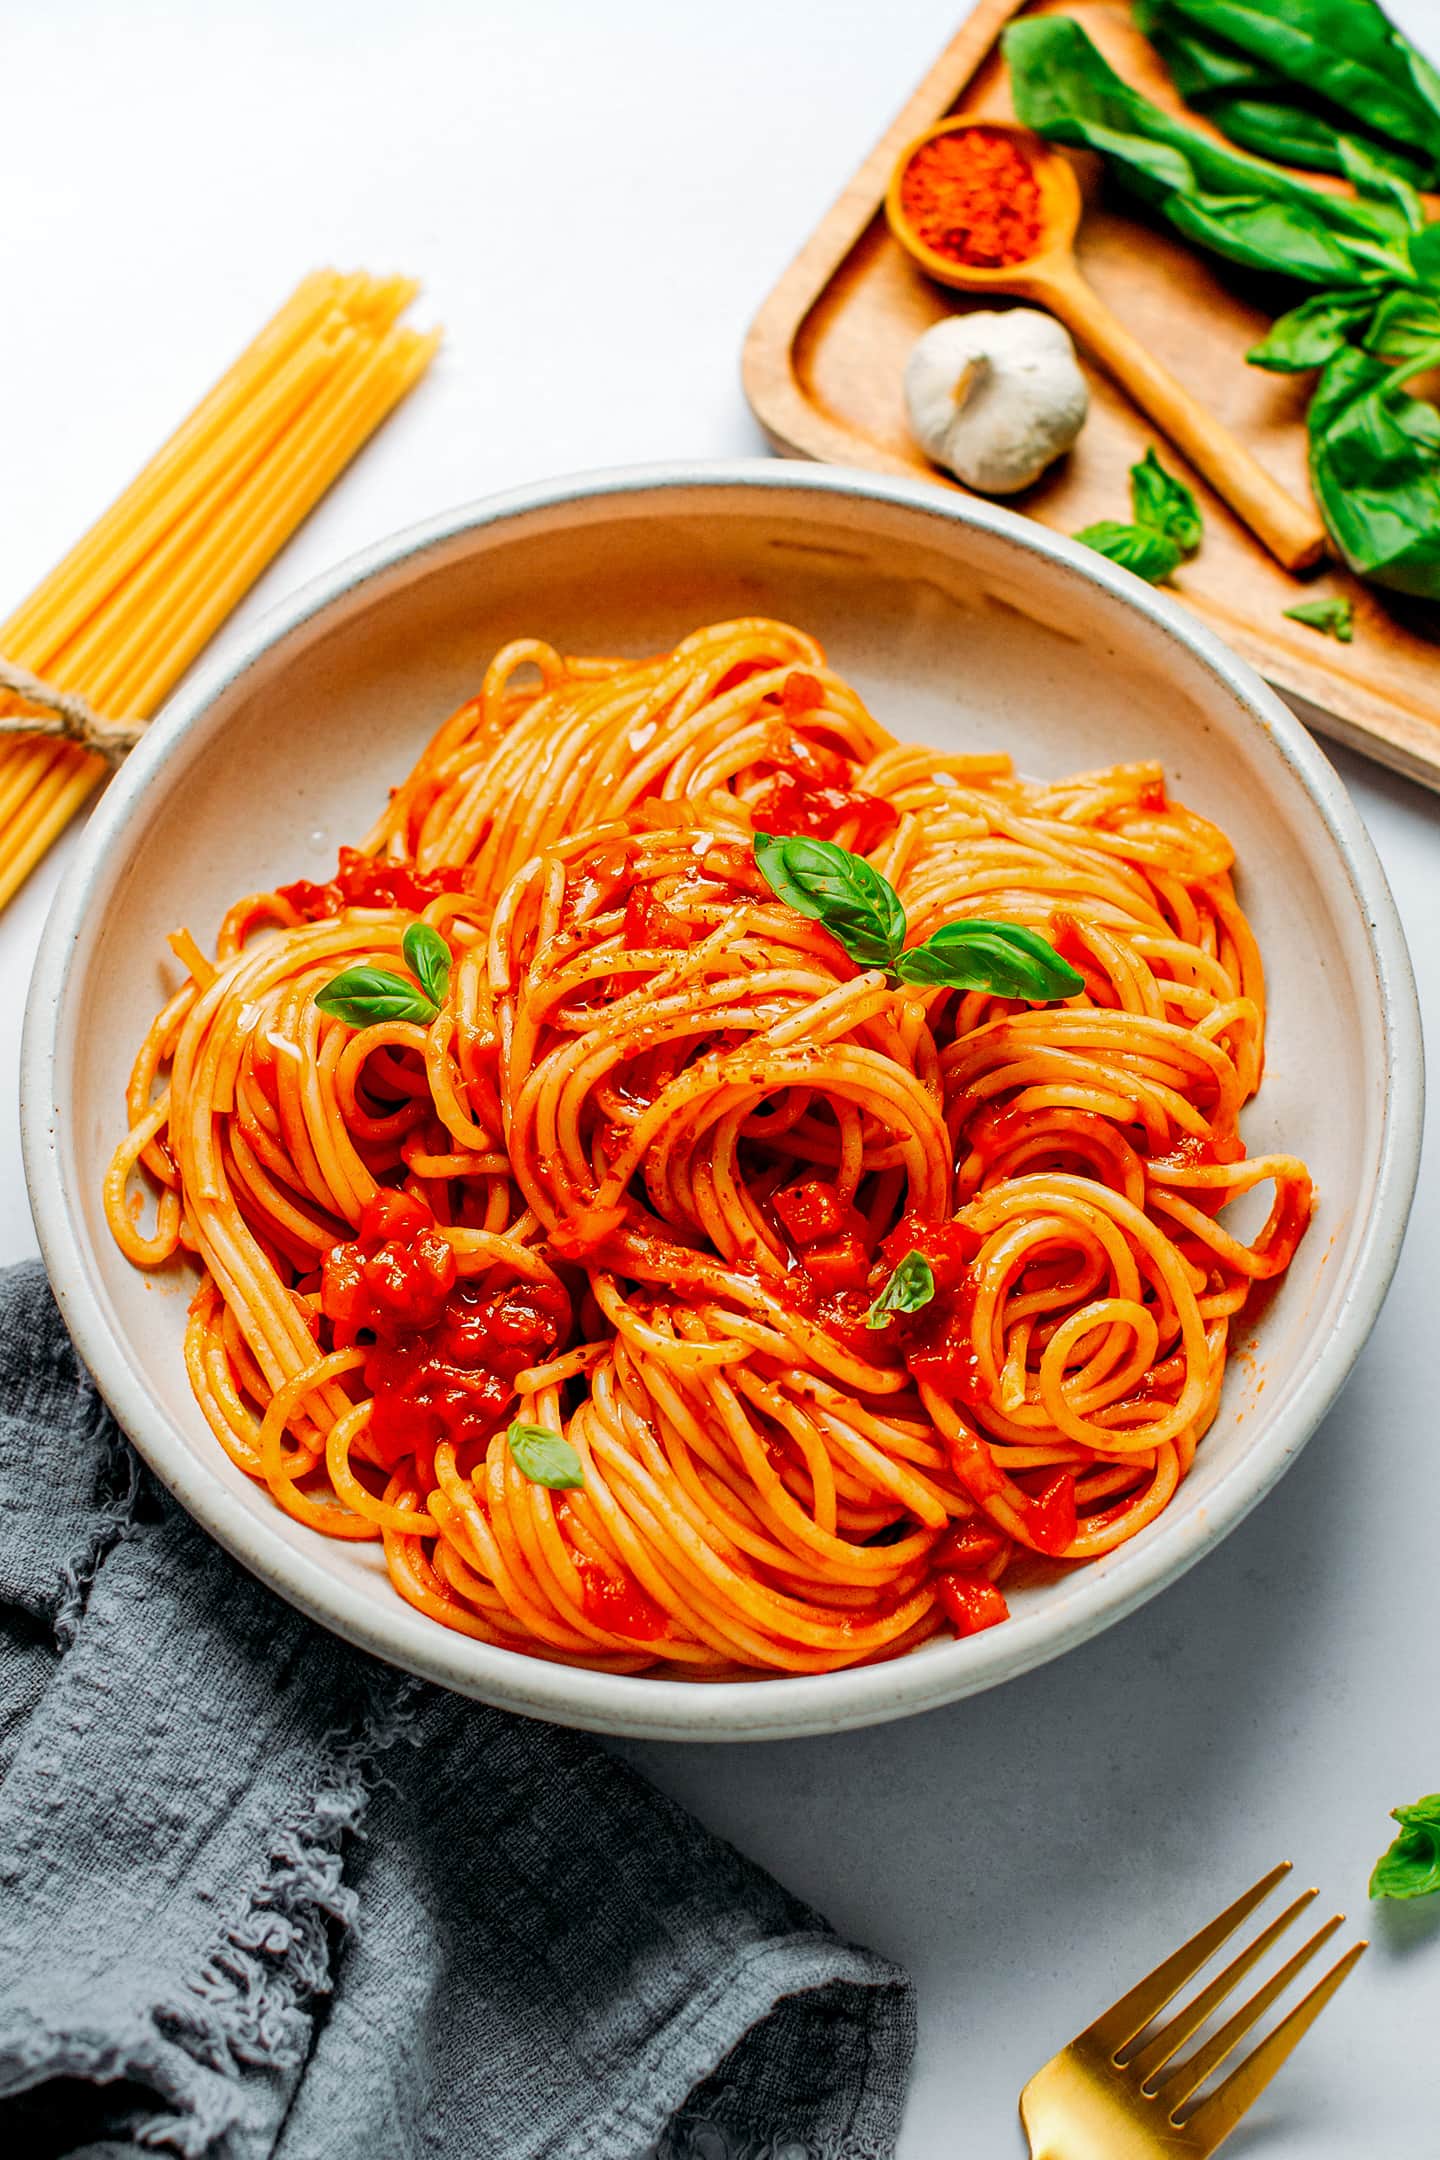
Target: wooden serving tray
x=825 y=356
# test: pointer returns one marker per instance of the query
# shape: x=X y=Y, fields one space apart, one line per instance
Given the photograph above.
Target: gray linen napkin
x=260 y=1895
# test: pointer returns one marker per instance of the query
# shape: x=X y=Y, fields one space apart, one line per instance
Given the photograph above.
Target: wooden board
x=825 y=356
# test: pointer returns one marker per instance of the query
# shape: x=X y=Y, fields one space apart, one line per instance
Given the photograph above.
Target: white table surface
x=598 y=198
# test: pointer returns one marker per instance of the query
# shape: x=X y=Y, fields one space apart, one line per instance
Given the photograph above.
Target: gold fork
x=1095 y=2101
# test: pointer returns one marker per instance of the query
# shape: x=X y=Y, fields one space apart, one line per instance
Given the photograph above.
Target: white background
x=598 y=197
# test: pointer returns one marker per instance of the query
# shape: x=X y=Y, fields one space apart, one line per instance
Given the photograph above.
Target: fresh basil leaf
x=1240 y=206
x=838 y=890
x=1311 y=333
x=1373 y=179
x=1411 y=1867
x=1004 y=958
x=364 y=996
x=1168 y=167
x=545 y=1457
x=1346 y=52
x=1406 y=325
x=1151 y=555
x=1335 y=617
x=1273 y=129
x=1164 y=504
x=1424 y=79
x=1425 y=253
x=1375 y=469
x=1269 y=235
x=428 y=958
x=1198 y=66
x=911 y=1286
x=1255 y=104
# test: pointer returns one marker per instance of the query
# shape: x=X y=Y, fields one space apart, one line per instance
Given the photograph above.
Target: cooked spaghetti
x=572 y=1280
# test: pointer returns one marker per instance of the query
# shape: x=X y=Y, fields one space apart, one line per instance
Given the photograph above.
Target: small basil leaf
x=1335 y=617
x=428 y=958
x=1313 y=332
x=364 y=996
x=1164 y=504
x=1411 y=1867
x=1151 y=555
x=1003 y=958
x=838 y=890
x=911 y=1286
x=545 y=1457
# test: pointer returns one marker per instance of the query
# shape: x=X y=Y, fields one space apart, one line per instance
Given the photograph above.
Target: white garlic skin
x=996 y=396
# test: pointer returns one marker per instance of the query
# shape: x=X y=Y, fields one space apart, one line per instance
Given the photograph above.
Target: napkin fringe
x=120 y=1484
x=248 y=2005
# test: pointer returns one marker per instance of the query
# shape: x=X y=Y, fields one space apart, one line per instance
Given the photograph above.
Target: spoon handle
x=1291 y=530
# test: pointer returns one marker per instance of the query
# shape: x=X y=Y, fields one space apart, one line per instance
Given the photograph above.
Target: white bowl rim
x=764 y=1708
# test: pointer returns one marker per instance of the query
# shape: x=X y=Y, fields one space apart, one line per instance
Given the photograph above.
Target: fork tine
x=1192 y=2074
x=1216 y=2117
x=1172 y=2036
x=1117 y=2026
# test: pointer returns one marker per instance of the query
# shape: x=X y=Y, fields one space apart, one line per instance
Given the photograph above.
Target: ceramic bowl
x=963 y=626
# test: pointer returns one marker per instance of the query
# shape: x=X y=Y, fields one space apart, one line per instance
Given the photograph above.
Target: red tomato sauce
x=968 y=1547
x=651 y=921
x=1049 y=1510
x=840 y=1274
x=938 y=1341
x=794 y=804
x=971 y=1602
x=617 y=1602
x=444 y=1354
x=370 y=881
x=830 y=1238
x=1205 y=1151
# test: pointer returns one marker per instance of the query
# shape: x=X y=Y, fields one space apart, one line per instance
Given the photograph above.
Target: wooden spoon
x=1291 y=530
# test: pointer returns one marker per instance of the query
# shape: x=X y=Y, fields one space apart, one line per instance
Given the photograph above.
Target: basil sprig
x=366 y=996
x=910 y=1288
x=1411 y=1867
x=864 y=913
x=545 y=1457
x=1167 y=526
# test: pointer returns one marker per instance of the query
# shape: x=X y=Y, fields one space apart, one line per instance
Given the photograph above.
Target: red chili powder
x=973 y=196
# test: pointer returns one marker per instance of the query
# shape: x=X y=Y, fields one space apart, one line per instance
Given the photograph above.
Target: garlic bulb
x=996 y=397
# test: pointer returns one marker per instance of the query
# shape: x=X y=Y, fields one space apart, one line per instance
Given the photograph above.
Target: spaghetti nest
x=570 y=1276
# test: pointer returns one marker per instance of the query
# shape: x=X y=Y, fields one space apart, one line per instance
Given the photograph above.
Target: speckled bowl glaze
x=963 y=626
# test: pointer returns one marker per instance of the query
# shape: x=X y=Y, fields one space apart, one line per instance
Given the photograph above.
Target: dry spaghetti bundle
x=123 y=616
x=662 y=1285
